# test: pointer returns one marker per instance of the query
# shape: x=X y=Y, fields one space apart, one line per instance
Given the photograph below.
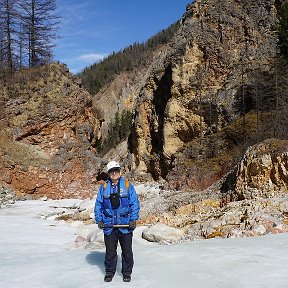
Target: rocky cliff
x=262 y=172
x=47 y=129
x=191 y=87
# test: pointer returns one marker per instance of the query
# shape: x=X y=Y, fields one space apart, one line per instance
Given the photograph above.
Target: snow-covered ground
x=34 y=253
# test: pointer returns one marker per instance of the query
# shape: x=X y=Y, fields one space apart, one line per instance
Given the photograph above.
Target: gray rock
x=7 y=196
x=163 y=234
x=284 y=207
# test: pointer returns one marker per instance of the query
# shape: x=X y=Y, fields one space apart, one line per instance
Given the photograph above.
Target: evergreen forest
x=131 y=58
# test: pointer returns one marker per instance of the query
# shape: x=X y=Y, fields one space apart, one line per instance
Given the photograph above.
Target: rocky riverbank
x=169 y=216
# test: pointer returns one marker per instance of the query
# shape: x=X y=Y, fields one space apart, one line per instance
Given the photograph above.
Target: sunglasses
x=114 y=171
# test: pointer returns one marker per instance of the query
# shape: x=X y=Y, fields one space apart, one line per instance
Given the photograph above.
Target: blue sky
x=93 y=29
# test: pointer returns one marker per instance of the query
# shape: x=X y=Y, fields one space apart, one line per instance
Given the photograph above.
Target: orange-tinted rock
x=47 y=149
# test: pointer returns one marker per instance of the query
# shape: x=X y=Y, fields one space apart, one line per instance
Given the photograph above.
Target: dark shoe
x=108 y=278
x=126 y=278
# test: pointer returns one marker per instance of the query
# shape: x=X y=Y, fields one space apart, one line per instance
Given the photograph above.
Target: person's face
x=114 y=175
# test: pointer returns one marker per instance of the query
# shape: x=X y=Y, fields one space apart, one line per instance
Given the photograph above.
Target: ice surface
x=33 y=253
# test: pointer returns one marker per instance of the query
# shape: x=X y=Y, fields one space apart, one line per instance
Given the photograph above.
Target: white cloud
x=92 y=57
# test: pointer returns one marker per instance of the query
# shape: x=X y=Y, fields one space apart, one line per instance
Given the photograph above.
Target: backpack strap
x=127 y=184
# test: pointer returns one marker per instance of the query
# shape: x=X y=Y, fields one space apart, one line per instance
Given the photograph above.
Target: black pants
x=111 y=243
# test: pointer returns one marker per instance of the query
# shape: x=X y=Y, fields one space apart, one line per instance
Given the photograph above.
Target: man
x=117 y=204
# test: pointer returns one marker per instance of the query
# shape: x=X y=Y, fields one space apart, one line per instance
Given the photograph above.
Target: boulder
x=262 y=172
x=7 y=196
x=162 y=233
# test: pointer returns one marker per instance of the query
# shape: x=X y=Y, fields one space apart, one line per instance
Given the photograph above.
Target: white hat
x=112 y=165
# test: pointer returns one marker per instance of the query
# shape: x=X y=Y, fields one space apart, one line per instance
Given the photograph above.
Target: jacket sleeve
x=133 y=203
x=98 y=209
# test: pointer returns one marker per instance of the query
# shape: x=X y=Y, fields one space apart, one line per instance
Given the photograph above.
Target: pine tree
x=283 y=30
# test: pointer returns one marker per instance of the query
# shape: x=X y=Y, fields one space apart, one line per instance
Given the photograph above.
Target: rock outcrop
x=192 y=85
x=47 y=132
x=214 y=214
x=262 y=172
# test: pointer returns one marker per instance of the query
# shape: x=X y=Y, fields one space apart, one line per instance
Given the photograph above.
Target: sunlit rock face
x=263 y=172
x=192 y=86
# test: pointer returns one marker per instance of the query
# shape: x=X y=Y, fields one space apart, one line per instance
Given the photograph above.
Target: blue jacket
x=127 y=211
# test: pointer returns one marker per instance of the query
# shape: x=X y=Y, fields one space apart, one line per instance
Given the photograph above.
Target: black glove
x=101 y=225
x=132 y=224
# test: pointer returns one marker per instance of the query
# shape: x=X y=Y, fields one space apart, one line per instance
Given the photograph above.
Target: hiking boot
x=108 y=278
x=126 y=278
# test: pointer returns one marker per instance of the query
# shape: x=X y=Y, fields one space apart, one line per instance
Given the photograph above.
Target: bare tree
x=39 y=26
x=8 y=24
x=1 y=45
